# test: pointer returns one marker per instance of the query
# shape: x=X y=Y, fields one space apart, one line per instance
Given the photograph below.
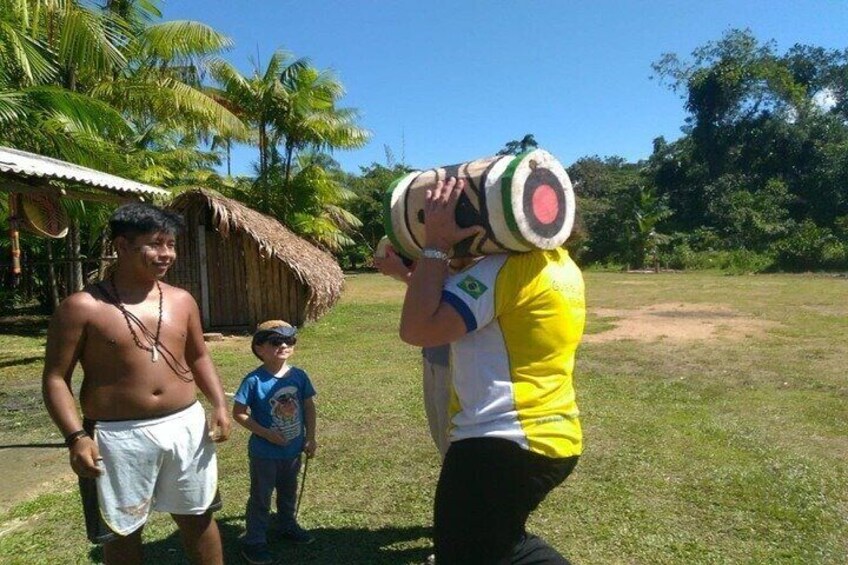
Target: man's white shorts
x=167 y=464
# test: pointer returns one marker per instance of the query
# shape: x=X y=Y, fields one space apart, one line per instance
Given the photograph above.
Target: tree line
x=757 y=181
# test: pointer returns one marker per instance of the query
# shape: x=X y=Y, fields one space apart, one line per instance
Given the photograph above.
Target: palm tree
x=258 y=100
x=106 y=87
x=648 y=211
x=312 y=119
x=289 y=104
x=316 y=203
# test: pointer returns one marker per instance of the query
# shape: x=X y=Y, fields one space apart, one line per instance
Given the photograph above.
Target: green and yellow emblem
x=472 y=287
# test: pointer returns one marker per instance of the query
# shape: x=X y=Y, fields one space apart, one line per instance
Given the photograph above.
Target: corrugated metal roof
x=33 y=165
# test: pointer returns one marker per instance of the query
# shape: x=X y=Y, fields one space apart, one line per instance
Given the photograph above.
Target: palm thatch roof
x=315 y=268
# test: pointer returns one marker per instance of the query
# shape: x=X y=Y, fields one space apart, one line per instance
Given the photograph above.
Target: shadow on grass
x=332 y=546
x=30 y=445
x=20 y=361
x=24 y=323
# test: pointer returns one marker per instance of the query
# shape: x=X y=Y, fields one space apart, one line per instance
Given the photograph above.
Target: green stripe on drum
x=387 y=218
x=506 y=194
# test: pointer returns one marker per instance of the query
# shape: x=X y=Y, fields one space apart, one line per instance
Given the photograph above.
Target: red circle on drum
x=545 y=204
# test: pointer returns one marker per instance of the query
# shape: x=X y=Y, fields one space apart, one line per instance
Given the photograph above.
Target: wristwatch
x=433 y=253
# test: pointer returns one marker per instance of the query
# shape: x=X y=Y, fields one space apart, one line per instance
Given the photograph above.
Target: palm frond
x=181 y=40
x=21 y=52
x=171 y=102
x=12 y=107
x=193 y=101
x=236 y=88
x=279 y=64
x=87 y=41
x=343 y=218
x=80 y=112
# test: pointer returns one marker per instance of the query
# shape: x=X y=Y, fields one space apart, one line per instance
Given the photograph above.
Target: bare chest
x=136 y=332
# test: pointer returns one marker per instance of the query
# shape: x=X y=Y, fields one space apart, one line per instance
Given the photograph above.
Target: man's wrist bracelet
x=72 y=438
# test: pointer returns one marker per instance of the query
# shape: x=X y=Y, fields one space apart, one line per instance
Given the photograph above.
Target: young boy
x=275 y=403
x=144 y=444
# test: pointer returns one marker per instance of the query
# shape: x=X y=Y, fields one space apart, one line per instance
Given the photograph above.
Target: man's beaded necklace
x=131 y=318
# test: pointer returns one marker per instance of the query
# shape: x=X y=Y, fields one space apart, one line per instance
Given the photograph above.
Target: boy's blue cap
x=279 y=327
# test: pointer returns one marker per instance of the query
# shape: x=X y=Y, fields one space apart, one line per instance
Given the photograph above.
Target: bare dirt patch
x=29 y=471
x=678 y=321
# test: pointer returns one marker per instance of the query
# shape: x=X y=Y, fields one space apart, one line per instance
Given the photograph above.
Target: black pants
x=486 y=491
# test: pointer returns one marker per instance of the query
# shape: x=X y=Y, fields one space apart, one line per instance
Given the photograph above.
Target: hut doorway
x=226 y=306
x=214 y=273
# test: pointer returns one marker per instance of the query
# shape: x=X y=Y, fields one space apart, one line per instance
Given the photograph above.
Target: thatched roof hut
x=244 y=267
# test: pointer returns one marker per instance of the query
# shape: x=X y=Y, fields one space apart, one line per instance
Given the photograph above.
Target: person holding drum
x=513 y=322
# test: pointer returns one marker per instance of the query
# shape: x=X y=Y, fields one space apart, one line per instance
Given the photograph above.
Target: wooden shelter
x=36 y=185
x=244 y=267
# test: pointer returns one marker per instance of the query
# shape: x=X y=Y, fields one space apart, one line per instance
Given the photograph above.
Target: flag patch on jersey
x=472 y=287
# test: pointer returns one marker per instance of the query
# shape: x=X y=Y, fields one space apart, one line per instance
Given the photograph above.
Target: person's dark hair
x=139 y=218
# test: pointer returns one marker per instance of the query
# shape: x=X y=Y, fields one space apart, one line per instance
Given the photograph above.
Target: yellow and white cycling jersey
x=512 y=371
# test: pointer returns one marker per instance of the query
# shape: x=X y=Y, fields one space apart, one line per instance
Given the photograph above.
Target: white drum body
x=523 y=202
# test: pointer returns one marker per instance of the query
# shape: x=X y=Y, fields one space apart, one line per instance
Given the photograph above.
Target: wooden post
x=15 y=238
x=105 y=252
x=204 y=276
x=76 y=267
x=51 y=276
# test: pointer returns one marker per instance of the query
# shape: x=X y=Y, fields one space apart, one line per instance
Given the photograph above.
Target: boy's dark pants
x=266 y=475
x=486 y=491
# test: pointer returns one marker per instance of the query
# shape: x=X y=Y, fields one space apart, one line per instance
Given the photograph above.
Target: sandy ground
x=26 y=471
x=677 y=321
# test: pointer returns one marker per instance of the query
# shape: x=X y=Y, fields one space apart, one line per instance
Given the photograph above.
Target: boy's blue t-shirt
x=276 y=403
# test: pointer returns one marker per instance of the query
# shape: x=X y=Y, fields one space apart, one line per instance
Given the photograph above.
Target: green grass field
x=730 y=449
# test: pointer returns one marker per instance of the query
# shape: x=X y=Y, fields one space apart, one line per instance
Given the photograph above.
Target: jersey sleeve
x=472 y=292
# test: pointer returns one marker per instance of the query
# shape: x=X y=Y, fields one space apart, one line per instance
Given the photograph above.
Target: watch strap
x=433 y=253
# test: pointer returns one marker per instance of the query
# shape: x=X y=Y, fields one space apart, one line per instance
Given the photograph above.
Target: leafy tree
x=369 y=189
x=811 y=247
x=516 y=147
x=749 y=218
x=764 y=148
x=603 y=188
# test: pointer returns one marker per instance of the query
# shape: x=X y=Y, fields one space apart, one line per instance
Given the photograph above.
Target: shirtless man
x=145 y=442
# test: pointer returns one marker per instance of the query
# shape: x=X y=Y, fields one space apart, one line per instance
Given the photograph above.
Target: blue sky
x=442 y=82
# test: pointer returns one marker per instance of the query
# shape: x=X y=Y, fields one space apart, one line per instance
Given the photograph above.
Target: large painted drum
x=522 y=202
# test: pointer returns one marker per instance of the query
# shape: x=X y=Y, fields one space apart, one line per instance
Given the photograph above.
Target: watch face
x=434 y=254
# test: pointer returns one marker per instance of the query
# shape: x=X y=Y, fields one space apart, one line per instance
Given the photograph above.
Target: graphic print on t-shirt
x=285 y=412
